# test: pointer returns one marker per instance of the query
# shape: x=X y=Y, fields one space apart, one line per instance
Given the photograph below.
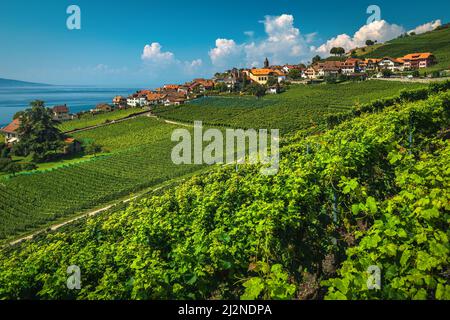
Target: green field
x=437 y=42
x=137 y=161
x=295 y=109
x=89 y=120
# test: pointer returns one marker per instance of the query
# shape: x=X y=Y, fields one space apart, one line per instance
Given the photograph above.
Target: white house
x=10 y=131
x=391 y=64
x=61 y=113
x=137 y=100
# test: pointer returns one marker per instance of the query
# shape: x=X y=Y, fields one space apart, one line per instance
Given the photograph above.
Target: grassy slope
x=437 y=42
x=367 y=50
x=290 y=111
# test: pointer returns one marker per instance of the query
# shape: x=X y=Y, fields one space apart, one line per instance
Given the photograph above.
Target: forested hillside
x=372 y=191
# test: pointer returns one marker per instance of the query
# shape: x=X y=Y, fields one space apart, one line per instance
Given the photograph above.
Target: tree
x=294 y=74
x=369 y=43
x=302 y=65
x=92 y=148
x=256 y=89
x=7 y=165
x=386 y=73
x=333 y=51
x=38 y=132
x=245 y=83
x=4 y=151
x=18 y=114
x=221 y=87
x=272 y=81
x=316 y=59
x=340 y=51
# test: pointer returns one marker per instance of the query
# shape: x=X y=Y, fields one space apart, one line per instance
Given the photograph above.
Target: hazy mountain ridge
x=18 y=83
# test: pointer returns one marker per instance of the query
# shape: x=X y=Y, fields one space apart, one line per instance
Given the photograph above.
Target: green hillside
x=373 y=191
x=437 y=42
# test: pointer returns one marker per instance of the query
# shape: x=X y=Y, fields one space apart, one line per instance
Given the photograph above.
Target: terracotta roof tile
x=12 y=127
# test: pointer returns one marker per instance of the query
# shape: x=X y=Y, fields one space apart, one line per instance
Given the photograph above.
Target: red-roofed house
x=350 y=66
x=10 y=131
x=61 y=113
x=155 y=98
x=418 y=60
x=204 y=84
x=391 y=64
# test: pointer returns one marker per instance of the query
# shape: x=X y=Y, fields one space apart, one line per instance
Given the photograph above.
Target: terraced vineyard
x=139 y=151
x=296 y=109
x=139 y=161
x=372 y=191
x=127 y=134
x=90 y=120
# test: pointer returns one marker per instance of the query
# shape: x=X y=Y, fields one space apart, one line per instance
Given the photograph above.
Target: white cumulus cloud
x=156 y=60
x=153 y=53
x=430 y=26
x=283 y=42
x=225 y=52
x=380 y=31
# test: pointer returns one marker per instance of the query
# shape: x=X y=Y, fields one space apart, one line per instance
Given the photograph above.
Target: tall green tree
x=38 y=133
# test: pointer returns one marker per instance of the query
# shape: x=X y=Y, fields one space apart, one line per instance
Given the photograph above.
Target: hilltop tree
x=337 y=51
x=340 y=51
x=316 y=59
x=370 y=43
x=38 y=133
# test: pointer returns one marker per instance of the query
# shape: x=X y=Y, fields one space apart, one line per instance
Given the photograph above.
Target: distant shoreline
x=77 y=98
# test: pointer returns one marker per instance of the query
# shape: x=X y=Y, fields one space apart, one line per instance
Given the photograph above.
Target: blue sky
x=185 y=39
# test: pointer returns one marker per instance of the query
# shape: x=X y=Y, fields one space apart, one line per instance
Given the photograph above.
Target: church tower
x=266 y=64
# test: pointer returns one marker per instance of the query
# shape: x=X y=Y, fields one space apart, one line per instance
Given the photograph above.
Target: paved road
x=413 y=80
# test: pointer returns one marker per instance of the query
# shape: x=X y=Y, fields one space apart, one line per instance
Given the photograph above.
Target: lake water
x=77 y=98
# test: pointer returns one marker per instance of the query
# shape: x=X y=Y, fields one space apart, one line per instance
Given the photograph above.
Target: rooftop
x=12 y=127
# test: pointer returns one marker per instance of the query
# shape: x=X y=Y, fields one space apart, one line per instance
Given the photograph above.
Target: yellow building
x=261 y=76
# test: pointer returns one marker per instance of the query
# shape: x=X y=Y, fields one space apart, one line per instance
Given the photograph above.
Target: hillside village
x=271 y=79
